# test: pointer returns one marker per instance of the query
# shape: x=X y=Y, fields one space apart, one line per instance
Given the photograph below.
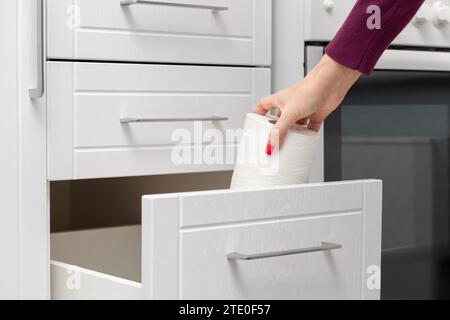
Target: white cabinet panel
x=106 y=30
x=23 y=185
x=186 y=257
x=86 y=102
x=206 y=273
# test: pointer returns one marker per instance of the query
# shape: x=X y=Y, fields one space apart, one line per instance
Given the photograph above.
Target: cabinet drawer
x=326 y=274
x=235 y=32
x=313 y=241
x=88 y=101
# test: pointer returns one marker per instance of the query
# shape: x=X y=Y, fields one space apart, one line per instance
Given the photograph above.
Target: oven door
x=395 y=126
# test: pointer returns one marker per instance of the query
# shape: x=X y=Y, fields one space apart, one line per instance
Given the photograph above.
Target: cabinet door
x=223 y=32
x=318 y=241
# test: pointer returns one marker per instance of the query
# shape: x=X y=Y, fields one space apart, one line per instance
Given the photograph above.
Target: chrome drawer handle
x=38 y=92
x=325 y=246
x=156 y=120
x=173 y=4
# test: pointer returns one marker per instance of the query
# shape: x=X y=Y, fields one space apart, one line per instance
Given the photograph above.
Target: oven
x=395 y=125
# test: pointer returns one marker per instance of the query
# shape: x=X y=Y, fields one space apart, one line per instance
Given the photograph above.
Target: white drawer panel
x=187 y=259
x=334 y=274
x=341 y=197
x=106 y=30
x=86 y=102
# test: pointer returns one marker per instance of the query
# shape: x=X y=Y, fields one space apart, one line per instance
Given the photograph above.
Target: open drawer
x=317 y=241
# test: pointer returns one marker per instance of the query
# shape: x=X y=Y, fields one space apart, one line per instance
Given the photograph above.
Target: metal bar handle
x=174 y=4
x=38 y=92
x=127 y=120
x=325 y=246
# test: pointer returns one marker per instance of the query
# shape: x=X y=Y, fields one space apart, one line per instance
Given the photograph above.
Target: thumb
x=279 y=131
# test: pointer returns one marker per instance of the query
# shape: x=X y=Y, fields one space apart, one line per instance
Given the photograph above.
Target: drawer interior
x=104 y=203
x=113 y=251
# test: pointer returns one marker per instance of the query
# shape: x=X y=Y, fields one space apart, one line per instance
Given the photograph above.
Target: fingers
x=279 y=131
x=265 y=105
x=314 y=125
x=303 y=121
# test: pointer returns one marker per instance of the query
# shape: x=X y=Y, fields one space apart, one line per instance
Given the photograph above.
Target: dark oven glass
x=394 y=126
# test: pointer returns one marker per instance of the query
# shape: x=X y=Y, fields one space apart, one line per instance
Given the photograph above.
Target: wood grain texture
x=105 y=30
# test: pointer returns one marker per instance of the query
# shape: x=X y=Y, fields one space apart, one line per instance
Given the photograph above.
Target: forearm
x=358 y=45
x=331 y=80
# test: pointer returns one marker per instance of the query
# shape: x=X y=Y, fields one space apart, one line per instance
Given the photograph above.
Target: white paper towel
x=289 y=165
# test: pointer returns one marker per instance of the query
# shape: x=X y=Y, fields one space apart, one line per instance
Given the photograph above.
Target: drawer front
x=336 y=274
x=88 y=101
x=332 y=232
x=181 y=31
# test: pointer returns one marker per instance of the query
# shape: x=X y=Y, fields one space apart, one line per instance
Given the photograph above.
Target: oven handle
x=415 y=60
x=395 y=59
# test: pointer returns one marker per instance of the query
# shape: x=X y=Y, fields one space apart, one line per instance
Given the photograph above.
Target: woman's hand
x=308 y=102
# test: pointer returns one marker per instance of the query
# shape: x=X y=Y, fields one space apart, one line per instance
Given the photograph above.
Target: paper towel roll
x=289 y=165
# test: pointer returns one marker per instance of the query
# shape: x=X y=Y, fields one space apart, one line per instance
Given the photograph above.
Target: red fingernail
x=269 y=149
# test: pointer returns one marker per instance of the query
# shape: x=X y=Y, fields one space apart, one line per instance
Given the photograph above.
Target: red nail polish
x=269 y=149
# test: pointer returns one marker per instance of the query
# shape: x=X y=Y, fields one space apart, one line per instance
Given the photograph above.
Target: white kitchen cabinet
x=104 y=62
x=88 y=102
x=224 y=32
x=188 y=241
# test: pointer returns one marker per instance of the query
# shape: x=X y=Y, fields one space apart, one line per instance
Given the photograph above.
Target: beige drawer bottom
x=96 y=264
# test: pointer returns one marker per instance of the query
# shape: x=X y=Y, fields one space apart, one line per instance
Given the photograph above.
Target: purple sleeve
x=359 y=46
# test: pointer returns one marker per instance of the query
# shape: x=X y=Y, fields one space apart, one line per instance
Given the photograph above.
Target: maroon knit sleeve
x=358 y=45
